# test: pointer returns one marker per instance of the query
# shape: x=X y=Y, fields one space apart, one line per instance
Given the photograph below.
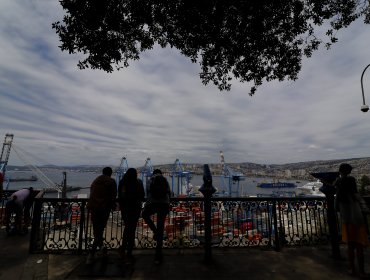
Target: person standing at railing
x=158 y=202
x=103 y=193
x=130 y=196
x=353 y=223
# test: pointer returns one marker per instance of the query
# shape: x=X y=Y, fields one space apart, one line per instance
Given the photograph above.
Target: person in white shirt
x=19 y=204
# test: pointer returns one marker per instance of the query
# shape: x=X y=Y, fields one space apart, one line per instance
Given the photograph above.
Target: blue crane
x=230 y=177
x=180 y=179
x=121 y=170
x=146 y=172
x=5 y=152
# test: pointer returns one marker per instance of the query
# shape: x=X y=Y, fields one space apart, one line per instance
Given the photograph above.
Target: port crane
x=230 y=177
x=121 y=170
x=146 y=172
x=180 y=179
x=5 y=152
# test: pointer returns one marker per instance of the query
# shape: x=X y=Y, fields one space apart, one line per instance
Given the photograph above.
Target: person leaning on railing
x=102 y=200
x=158 y=202
x=19 y=204
x=130 y=197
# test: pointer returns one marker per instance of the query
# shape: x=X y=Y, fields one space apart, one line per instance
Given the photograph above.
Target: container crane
x=229 y=177
x=146 y=172
x=121 y=170
x=5 y=152
x=180 y=179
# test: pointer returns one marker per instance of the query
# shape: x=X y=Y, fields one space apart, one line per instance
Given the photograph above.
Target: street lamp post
x=364 y=107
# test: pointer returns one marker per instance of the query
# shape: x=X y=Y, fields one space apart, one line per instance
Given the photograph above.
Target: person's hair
x=130 y=176
x=157 y=171
x=345 y=168
x=107 y=171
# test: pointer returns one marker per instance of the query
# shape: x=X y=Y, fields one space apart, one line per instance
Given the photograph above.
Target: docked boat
x=29 y=179
x=311 y=188
x=277 y=185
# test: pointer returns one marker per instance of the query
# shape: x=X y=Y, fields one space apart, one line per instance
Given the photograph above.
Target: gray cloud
x=159 y=108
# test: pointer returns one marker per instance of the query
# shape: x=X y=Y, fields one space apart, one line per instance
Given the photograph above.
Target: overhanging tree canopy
x=251 y=41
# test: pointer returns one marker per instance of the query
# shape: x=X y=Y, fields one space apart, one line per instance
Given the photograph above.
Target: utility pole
x=64 y=187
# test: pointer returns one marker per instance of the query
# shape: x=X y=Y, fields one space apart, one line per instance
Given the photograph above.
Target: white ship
x=311 y=189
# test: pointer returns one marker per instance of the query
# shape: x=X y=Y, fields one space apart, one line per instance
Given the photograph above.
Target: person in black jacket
x=101 y=202
x=130 y=196
x=158 y=202
x=353 y=221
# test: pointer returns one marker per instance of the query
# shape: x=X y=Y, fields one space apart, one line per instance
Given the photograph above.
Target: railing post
x=207 y=190
x=367 y=200
x=35 y=229
x=64 y=186
x=277 y=229
x=82 y=225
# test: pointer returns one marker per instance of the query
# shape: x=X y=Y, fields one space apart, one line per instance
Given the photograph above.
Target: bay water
x=83 y=180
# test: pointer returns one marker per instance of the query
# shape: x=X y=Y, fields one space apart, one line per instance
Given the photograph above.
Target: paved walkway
x=243 y=263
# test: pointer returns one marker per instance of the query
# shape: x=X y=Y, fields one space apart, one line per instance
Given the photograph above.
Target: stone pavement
x=239 y=263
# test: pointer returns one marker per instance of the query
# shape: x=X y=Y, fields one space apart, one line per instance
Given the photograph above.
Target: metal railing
x=64 y=225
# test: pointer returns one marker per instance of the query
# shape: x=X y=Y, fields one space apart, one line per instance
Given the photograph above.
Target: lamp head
x=365 y=108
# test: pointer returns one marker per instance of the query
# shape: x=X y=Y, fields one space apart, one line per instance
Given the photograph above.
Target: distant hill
x=361 y=166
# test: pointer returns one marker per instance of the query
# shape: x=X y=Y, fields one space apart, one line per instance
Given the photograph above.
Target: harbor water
x=83 y=180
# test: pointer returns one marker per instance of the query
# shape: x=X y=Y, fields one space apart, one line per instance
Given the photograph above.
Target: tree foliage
x=250 y=41
x=364 y=184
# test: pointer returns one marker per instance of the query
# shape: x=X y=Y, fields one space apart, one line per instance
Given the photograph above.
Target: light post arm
x=364 y=107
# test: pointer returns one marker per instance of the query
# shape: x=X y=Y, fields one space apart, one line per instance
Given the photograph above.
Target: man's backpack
x=158 y=187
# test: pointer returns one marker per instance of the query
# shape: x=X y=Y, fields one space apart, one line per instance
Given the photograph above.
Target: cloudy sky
x=159 y=108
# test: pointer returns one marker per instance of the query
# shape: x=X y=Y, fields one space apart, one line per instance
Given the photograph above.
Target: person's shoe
x=104 y=252
x=364 y=275
x=12 y=232
x=155 y=237
x=130 y=259
x=90 y=259
x=121 y=252
x=158 y=260
x=351 y=271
